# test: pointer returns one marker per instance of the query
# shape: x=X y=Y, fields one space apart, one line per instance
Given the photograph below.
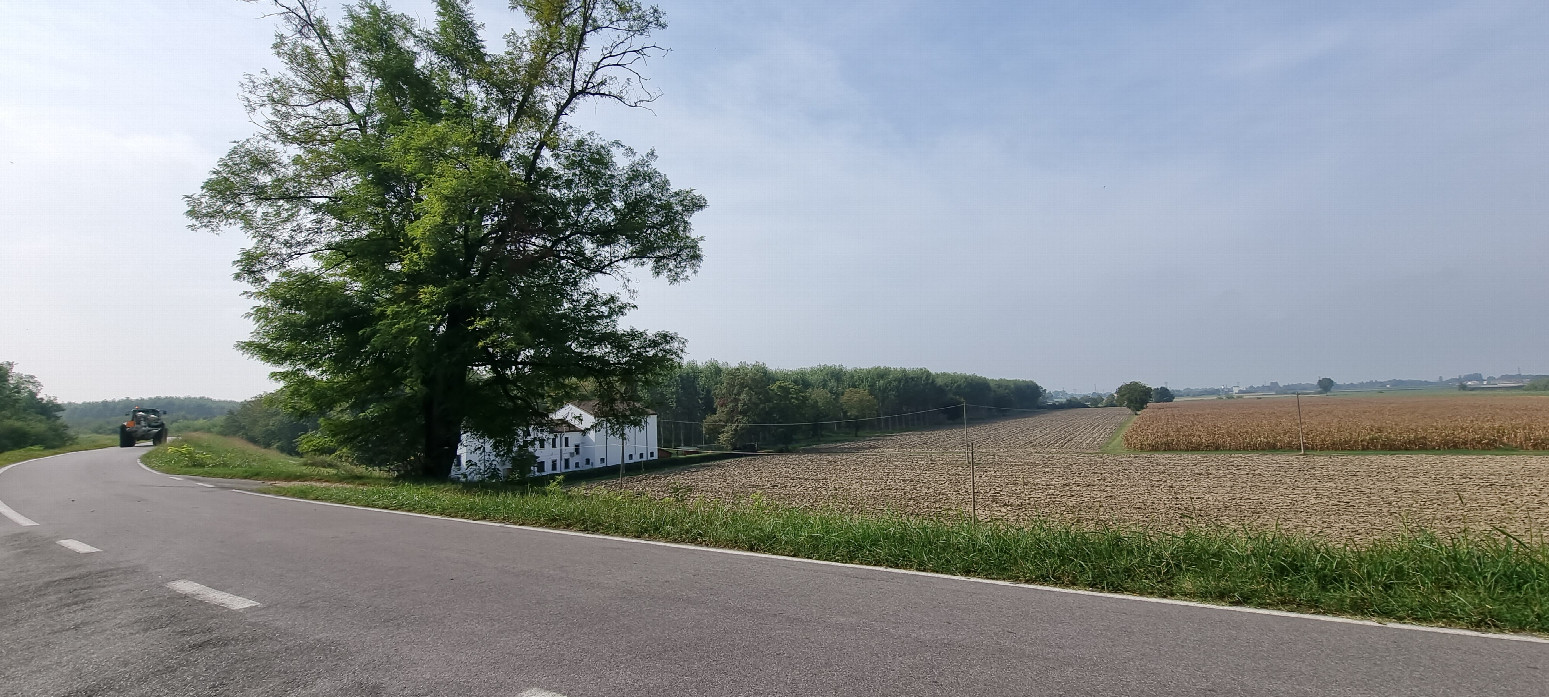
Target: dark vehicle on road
x=143 y=424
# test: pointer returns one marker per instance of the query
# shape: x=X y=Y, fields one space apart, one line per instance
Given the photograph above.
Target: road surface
x=131 y=582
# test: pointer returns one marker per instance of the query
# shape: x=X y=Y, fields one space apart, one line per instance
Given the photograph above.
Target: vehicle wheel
x=124 y=439
x=161 y=437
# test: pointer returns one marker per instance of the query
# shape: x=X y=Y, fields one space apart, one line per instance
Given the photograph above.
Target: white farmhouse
x=577 y=440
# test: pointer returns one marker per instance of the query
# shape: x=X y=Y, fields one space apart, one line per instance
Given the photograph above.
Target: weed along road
x=118 y=580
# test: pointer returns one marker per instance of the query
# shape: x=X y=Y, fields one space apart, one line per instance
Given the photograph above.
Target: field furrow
x=1068 y=430
x=1340 y=497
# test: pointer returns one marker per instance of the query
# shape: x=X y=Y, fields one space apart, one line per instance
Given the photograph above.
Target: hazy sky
x=1077 y=193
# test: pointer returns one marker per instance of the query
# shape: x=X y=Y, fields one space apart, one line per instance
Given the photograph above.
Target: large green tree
x=1133 y=396
x=435 y=249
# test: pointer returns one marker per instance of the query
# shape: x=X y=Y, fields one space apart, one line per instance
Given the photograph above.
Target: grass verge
x=209 y=455
x=1480 y=580
x=89 y=441
x=1115 y=444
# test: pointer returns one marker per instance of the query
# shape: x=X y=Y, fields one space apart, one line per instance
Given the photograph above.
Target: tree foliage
x=1133 y=396
x=1162 y=395
x=858 y=405
x=27 y=417
x=434 y=249
x=728 y=400
x=1325 y=385
x=261 y=421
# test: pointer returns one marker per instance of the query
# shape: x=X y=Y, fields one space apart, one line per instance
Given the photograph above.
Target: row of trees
x=104 y=416
x=730 y=400
x=27 y=417
x=261 y=421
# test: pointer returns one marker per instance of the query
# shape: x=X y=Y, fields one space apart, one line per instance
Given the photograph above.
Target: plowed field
x=1337 y=497
x=1069 y=430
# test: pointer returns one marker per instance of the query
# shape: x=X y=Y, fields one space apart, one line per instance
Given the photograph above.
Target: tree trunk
x=444 y=406
x=443 y=433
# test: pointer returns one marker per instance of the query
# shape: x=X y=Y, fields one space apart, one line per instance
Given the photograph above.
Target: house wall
x=591 y=445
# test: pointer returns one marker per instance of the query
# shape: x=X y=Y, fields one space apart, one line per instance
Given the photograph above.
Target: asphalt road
x=358 y=602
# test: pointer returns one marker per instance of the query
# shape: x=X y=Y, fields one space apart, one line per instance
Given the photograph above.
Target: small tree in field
x=1162 y=395
x=1133 y=396
x=1325 y=385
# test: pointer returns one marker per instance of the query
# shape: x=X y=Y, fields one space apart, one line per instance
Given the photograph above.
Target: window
x=540 y=467
x=588 y=462
x=567 y=441
x=554 y=464
x=602 y=461
x=631 y=456
x=653 y=456
x=553 y=442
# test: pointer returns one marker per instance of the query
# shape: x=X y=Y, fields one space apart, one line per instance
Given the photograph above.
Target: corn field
x=1417 y=422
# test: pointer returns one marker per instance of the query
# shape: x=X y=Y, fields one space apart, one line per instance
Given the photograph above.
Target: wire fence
x=922 y=461
x=692 y=435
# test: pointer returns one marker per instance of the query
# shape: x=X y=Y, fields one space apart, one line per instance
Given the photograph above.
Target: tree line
x=104 y=416
x=28 y=418
x=699 y=403
x=733 y=404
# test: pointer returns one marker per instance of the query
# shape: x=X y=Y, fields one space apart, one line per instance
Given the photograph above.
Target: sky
x=1079 y=193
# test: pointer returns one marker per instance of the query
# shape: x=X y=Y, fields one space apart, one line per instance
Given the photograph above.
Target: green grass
x=1115 y=443
x=209 y=455
x=90 y=441
x=1481 y=580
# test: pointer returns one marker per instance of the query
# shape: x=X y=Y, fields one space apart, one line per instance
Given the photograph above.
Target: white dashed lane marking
x=78 y=546
x=538 y=692
x=212 y=596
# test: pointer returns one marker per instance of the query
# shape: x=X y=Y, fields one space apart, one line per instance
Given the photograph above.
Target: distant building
x=576 y=440
x=1472 y=385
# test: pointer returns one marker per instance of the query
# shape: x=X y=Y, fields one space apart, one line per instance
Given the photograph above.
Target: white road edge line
x=212 y=596
x=538 y=692
x=910 y=572
x=168 y=476
x=78 y=546
x=15 y=517
x=11 y=513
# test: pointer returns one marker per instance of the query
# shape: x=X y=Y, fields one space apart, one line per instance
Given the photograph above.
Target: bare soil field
x=1067 y=430
x=1410 y=422
x=1340 y=497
